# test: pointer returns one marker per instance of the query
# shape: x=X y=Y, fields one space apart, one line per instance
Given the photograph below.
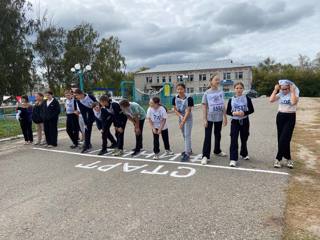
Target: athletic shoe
x=73 y=146
x=156 y=156
x=36 y=143
x=246 y=158
x=49 y=146
x=233 y=163
x=289 y=163
x=221 y=154
x=86 y=149
x=102 y=152
x=185 y=158
x=277 y=164
x=169 y=152
x=43 y=144
x=204 y=160
x=118 y=153
x=182 y=155
x=135 y=152
x=113 y=145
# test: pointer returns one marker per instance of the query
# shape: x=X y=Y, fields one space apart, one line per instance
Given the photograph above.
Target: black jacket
x=119 y=118
x=250 y=107
x=52 y=111
x=37 y=113
x=104 y=118
x=87 y=113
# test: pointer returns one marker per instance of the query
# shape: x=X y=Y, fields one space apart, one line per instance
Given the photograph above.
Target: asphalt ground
x=62 y=194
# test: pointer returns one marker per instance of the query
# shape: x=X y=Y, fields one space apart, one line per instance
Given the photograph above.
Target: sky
x=156 y=32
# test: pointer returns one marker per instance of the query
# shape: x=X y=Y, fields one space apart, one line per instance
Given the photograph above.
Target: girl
x=37 y=117
x=183 y=105
x=239 y=108
x=213 y=114
x=157 y=116
x=72 y=123
x=25 y=119
x=288 y=95
x=136 y=114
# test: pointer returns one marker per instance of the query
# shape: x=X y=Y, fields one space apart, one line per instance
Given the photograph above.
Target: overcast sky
x=174 y=31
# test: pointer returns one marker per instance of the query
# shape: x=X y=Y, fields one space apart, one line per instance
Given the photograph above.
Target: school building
x=195 y=75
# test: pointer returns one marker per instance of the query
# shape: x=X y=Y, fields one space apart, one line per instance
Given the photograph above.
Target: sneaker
x=185 y=158
x=73 y=146
x=49 y=146
x=169 y=152
x=135 y=152
x=182 y=155
x=277 y=164
x=233 y=163
x=36 y=143
x=85 y=150
x=118 y=153
x=156 y=156
x=221 y=154
x=204 y=160
x=113 y=145
x=102 y=152
x=246 y=158
x=289 y=163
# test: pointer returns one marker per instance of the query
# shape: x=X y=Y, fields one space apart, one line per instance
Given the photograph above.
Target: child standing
x=157 y=116
x=239 y=107
x=213 y=115
x=136 y=114
x=72 y=123
x=182 y=107
x=288 y=97
x=25 y=119
x=37 y=114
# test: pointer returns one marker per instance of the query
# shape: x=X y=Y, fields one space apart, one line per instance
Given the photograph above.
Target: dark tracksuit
x=88 y=118
x=104 y=123
x=239 y=125
x=119 y=121
x=50 y=121
x=25 y=120
x=72 y=123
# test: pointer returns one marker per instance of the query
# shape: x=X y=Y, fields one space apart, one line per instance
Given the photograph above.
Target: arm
x=274 y=96
x=177 y=112
x=205 y=114
x=250 y=107
x=225 y=120
x=229 y=112
x=293 y=97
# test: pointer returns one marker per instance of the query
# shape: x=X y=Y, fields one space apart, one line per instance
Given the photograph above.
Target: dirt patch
x=302 y=215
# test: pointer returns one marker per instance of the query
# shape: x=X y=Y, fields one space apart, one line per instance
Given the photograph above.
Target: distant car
x=252 y=93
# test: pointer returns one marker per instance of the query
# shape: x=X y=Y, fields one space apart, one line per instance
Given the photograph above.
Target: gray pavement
x=61 y=194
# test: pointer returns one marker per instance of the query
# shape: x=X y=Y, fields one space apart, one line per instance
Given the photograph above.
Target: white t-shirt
x=156 y=115
x=49 y=101
x=285 y=103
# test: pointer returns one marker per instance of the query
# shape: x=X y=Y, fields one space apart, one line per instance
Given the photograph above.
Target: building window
x=163 y=79
x=202 y=89
x=239 y=75
x=158 y=80
x=169 y=79
x=227 y=76
x=190 y=77
x=202 y=77
x=179 y=78
x=149 y=79
x=191 y=90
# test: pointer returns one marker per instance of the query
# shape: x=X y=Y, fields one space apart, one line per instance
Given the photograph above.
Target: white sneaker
x=233 y=163
x=289 y=163
x=221 y=154
x=118 y=153
x=277 y=164
x=204 y=160
x=156 y=157
x=169 y=152
x=246 y=158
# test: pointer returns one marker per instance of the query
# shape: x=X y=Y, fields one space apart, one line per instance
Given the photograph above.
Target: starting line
x=163 y=161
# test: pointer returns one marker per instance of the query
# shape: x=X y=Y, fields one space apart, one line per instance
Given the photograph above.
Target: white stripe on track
x=164 y=161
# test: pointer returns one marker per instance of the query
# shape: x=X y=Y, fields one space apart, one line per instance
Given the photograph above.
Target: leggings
x=165 y=138
x=207 y=139
x=285 y=127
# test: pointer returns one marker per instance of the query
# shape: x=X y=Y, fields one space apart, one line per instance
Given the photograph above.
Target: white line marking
x=95 y=151
x=164 y=161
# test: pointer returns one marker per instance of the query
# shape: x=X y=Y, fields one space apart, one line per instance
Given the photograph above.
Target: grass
x=11 y=127
x=302 y=214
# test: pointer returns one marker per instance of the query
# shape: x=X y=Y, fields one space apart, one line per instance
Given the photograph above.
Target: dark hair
x=156 y=100
x=95 y=104
x=124 y=103
x=25 y=98
x=49 y=92
x=238 y=83
x=181 y=85
x=104 y=98
x=78 y=91
x=40 y=94
x=68 y=91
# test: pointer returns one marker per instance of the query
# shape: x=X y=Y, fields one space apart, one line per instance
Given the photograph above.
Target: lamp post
x=80 y=72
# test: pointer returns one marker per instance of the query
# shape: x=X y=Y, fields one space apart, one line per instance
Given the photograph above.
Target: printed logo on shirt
x=215 y=102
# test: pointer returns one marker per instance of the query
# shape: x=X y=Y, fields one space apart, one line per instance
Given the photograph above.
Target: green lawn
x=10 y=128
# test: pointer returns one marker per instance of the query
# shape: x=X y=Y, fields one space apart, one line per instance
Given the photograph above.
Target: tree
x=50 y=47
x=15 y=50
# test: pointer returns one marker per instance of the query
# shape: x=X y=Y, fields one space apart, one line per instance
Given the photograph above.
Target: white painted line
x=95 y=151
x=164 y=161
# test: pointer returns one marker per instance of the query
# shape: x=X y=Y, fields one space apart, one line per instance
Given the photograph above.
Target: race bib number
x=215 y=102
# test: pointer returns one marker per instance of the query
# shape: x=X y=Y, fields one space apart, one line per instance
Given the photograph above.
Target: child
x=51 y=111
x=37 y=117
x=136 y=114
x=25 y=119
x=157 y=116
x=182 y=107
x=288 y=97
x=119 y=120
x=72 y=123
x=213 y=114
x=84 y=107
x=239 y=108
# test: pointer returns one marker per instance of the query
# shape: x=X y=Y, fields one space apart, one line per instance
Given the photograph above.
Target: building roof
x=218 y=64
